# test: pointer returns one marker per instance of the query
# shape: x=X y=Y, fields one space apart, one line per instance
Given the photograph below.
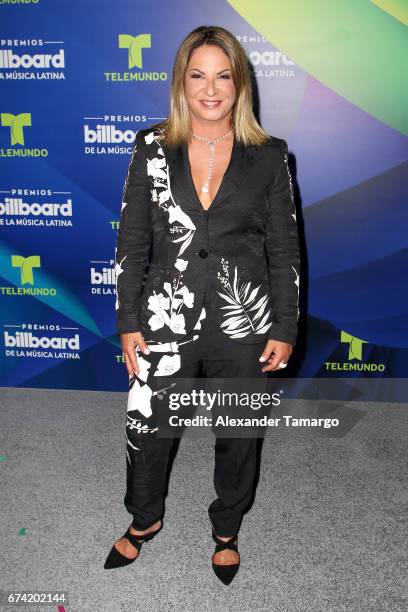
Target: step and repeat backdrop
x=79 y=79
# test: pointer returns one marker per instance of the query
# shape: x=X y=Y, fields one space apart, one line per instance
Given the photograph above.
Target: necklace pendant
x=204 y=188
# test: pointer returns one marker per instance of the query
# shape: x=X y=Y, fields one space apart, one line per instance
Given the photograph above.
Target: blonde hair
x=176 y=128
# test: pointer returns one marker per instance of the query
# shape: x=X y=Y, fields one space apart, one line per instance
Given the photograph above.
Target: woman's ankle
x=155 y=525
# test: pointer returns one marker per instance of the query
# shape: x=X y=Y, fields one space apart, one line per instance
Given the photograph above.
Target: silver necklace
x=212 y=144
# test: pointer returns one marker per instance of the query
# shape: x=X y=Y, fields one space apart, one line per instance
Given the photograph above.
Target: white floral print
x=157 y=169
x=167 y=305
x=246 y=313
x=166 y=308
x=140 y=395
x=168 y=365
x=139 y=398
x=181 y=264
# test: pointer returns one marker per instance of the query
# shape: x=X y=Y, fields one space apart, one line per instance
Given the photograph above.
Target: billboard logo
x=107 y=134
x=16 y=211
x=41 y=341
x=8 y=59
x=103 y=280
x=30 y=340
x=269 y=58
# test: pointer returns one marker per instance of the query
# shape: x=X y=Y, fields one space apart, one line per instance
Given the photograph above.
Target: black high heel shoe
x=116 y=559
x=225 y=573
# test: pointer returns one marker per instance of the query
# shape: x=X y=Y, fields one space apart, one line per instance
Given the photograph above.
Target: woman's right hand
x=129 y=342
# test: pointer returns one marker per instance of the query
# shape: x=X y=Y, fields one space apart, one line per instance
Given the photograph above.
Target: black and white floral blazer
x=244 y=249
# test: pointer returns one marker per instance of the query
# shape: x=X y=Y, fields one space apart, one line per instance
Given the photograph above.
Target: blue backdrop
x=76 y=87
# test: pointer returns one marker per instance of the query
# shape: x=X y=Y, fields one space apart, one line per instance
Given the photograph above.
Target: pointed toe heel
x=225 y=573
x=116 y=559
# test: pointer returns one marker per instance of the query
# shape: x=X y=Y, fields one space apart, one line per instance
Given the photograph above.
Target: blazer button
x=202 y=253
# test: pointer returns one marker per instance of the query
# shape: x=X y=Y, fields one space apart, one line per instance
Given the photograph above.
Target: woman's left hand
x=281 y=353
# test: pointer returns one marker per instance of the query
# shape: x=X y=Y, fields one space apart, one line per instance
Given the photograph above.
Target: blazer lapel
x=181 y=182
x=177 y=175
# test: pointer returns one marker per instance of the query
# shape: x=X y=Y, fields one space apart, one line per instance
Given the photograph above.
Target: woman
x=208 y=212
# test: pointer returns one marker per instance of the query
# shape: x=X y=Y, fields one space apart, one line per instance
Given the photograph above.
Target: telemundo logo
x=355 y=357
x=135 y=46
x=17 y=123
x=27 y=265
x=24 y=2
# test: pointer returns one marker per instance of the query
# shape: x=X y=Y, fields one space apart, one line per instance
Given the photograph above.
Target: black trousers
x=204 y=352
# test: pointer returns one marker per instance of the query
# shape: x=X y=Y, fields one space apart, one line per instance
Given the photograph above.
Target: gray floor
x=327 y=530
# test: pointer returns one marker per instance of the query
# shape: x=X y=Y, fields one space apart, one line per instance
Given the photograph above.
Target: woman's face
x=209 y=87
